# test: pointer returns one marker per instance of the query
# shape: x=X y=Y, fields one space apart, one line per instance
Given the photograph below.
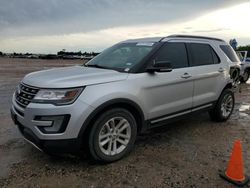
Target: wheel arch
x=235 y=72
x=247 y=69
x=228 y=86
x=127 y=104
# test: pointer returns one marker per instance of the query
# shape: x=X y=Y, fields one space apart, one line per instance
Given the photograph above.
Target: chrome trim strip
x=24 y=98
x=25 y=85
x=42 y=123
x=20 y=104
x=27 y=92
x=33 y=144
x=201 y=107
x=181 y=113
x=171 y=116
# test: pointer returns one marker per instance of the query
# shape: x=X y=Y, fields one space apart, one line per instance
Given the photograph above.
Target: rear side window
x=173 y=52
x=202 y=54
x=230 y=53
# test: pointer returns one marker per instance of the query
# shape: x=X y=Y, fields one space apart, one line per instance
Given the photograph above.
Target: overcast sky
x=47 y=26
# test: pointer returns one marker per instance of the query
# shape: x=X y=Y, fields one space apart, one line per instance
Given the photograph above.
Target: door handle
x=221 y=69
x=186 y=76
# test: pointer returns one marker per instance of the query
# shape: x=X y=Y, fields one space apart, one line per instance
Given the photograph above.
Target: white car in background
x=245 y=65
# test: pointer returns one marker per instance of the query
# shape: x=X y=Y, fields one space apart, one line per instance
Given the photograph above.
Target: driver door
x=169 y=94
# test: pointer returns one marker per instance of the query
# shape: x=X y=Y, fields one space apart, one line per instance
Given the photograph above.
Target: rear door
x=207 y=72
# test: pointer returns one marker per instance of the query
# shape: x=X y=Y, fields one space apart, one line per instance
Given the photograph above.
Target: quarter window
x=230 y=53
x=174 y=53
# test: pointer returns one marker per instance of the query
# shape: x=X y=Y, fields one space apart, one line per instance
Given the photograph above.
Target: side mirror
x=160 y=66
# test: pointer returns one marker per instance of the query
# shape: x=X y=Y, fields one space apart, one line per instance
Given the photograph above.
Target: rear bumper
x=48 y=146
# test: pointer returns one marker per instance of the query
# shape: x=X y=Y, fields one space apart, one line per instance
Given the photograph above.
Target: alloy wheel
x=227 y=105
x=114 y=136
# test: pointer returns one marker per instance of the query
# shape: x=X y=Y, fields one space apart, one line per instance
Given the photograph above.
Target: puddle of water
x=242 y=111
x=244 y=107
x=243 y=114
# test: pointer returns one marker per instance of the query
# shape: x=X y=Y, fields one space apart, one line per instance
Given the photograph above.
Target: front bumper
x=49 y=146
x=66 y=141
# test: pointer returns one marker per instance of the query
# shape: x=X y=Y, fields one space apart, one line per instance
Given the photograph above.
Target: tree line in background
x=244 y=48
x=234 y=44
x=63 y=54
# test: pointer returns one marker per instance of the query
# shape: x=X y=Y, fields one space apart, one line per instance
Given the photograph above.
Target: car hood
x=75 y=76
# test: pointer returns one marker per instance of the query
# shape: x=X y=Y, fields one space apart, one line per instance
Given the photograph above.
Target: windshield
x=122 y=56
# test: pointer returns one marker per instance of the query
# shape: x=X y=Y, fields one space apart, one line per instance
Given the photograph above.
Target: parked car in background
x=131 y=87
x=244 y=57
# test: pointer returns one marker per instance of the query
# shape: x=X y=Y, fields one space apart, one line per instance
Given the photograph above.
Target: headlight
x=57 y=96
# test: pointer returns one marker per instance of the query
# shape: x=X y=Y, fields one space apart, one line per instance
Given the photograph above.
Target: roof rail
x=197 y=37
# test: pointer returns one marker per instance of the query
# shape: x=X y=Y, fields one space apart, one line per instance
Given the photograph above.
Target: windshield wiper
x=102 y=67
x=96 y=66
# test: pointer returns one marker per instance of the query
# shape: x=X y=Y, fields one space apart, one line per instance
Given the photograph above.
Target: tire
x=108 y=128
x=245 y=76
x=224 y=106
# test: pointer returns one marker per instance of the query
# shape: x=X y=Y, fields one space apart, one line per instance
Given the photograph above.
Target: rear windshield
x=230 y=53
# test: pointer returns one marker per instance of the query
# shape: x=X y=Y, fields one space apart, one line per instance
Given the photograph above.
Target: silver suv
x=131 y=87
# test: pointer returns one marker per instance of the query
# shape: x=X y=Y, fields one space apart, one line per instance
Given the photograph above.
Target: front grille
x=24 y=94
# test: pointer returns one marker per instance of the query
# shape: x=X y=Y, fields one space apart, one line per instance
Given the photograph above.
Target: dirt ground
x=187 y=153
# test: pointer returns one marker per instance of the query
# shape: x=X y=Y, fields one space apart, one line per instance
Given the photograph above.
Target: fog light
x=59 y=123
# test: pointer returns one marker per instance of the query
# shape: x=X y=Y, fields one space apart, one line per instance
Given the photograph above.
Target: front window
x=174 y=53
x=122 y=56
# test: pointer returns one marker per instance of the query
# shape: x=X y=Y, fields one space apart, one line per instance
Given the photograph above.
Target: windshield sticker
x=128 y=64
x=145 y=44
